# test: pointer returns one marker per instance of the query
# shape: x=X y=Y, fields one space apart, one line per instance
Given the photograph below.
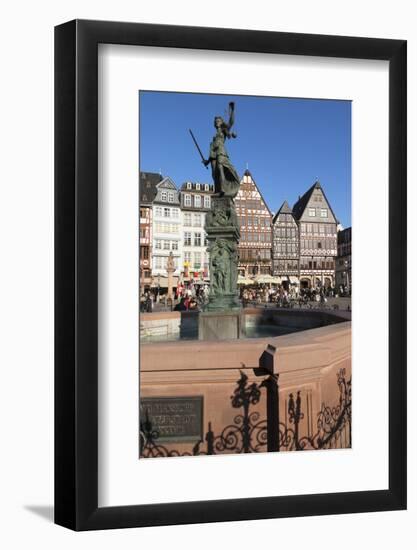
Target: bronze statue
x=225 y=177
x=222 y=225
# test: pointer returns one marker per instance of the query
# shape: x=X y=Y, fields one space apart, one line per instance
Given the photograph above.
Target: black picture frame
x=76 y=272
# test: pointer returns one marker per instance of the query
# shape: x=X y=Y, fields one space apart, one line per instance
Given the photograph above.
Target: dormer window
x=197 y=186
x=189 y=185
x=163 y=195
x=206 y=187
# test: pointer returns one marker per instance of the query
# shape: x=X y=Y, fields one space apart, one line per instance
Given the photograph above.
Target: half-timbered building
x=255 y=229
x=147 y=192
x=285 y=249
x=317 y=225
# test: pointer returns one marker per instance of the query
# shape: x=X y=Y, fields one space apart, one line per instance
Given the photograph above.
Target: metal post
x=266 y=366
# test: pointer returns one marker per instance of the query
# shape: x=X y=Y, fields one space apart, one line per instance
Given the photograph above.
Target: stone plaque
x=174 y=418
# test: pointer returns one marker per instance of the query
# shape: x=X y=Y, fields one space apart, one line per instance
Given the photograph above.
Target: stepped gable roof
x=148 y=182
x=247 y=173
x=285 y=209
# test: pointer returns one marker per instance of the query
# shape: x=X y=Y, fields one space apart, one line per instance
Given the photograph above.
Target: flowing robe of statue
x=225 y=177
x=221 y=265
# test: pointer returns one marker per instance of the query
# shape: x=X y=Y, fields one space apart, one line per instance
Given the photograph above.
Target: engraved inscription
x=174 y=418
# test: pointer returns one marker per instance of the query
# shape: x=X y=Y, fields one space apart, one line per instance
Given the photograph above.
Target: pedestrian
x=181 y=305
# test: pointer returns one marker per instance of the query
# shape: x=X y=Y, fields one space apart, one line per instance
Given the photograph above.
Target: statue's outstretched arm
x=231 y=114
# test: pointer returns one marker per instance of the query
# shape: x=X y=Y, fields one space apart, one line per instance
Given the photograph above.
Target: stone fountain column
x=222 y=318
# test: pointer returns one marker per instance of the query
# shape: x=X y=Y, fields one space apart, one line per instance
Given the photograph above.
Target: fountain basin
x=256 y=323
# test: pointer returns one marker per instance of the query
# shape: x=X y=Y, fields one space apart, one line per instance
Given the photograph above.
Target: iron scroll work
x=251 y=434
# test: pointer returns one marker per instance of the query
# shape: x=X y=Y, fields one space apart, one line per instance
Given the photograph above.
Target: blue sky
x=286 y=143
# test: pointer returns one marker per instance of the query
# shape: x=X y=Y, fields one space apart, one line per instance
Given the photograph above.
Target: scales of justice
x=222 y=318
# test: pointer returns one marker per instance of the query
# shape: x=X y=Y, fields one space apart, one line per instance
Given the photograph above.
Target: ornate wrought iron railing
x=250 y=434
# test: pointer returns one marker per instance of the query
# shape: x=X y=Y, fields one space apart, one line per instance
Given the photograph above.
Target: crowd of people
x=186 y=298
x=193 y=297
x=282 y=296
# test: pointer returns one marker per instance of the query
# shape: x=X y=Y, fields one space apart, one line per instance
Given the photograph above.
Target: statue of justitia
x=225 y=177
x=222 y=224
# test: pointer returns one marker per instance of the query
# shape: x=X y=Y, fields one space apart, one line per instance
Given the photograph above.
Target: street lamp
x=346 y=263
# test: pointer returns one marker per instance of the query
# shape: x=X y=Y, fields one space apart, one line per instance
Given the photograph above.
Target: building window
x=197 y=239
x=170 y=197
x=206 y=187
x=164 y=196
x=158 y=262
x=175 y=213
x=189 y=185
x=166 y=245
x=174 y=245
x=158 y=211
x=197 y=220
x=187 y=200
x=197 y=186
x=312 y=212
x=197 y=260
x=158 y=244
x=323 y=212
x=197 y=201
x=187 y=257
x=319 y=245
x=206 y=202
x=187 y=238
x=187 y=219
x=167 y=213
x=144 y=252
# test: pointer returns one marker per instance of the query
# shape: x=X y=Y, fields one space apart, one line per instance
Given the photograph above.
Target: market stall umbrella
x=264 y=279
x=244 y=280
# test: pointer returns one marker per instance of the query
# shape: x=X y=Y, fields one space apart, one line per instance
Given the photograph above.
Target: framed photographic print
x=230 y=275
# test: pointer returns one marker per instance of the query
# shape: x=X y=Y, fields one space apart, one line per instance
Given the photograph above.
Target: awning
x=244 y=281
x=264 y=279
x=294 y=280
x=163 y=282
